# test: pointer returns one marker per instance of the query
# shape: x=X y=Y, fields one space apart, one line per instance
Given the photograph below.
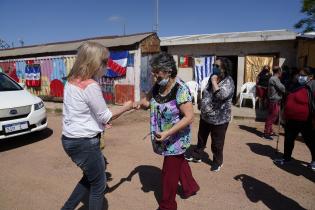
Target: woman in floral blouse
x=171 y=113
x=215 y=112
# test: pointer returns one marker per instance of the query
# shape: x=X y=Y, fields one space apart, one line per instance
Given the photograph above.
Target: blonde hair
x=91 y=57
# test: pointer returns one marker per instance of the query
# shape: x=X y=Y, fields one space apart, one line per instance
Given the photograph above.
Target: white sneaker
x=312 y=165
x=216 y=168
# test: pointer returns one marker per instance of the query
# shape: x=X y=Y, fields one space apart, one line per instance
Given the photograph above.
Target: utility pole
x=156 y=27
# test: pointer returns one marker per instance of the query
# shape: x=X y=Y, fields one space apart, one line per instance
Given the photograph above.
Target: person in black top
x=262 y=86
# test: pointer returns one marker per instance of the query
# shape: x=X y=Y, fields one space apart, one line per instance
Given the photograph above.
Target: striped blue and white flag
x=203 y=67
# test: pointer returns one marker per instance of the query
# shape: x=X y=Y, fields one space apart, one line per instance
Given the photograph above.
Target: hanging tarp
x=203 y=67
x=254 y=64
x=42 y=76
x=46 y=76
x=9 y=68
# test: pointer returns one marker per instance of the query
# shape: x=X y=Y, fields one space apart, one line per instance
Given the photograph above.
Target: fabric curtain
x=254 y=64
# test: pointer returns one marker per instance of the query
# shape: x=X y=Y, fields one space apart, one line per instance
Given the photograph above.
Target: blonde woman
x=84 y=116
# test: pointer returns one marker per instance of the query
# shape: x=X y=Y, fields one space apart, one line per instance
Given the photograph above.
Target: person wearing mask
x=85 y=115
x=275 y=92
x=171 y=113
x=262 y=85
x=299 y=116
x=215 y=113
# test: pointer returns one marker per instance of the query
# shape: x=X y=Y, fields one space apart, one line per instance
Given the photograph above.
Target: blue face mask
x=216 y=70
x=163 y=82
x=302 y=80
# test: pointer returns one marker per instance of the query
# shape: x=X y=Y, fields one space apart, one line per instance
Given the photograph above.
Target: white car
x=20 y=111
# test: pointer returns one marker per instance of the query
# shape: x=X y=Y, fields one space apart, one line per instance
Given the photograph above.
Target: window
x=7 y=84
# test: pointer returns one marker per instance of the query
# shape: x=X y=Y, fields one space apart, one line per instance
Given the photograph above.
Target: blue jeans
x=86 y=154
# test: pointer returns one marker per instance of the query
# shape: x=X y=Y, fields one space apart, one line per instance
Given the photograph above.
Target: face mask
x=163 y=82
x=302 y=80
x=216 y=70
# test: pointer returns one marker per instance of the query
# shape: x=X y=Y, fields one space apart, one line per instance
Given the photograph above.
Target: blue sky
x=43 y=21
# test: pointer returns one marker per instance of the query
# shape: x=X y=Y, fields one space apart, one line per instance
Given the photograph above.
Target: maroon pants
x=176 y=169
x=273 y=114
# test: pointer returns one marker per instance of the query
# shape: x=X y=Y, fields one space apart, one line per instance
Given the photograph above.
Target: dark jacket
x=216 y=106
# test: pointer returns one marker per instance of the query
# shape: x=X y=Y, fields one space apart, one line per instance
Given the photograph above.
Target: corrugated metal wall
x=53 y=71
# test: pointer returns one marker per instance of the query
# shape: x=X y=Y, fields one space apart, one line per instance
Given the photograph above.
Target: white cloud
x=115 y=18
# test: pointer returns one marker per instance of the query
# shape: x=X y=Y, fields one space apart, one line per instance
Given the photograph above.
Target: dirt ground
x=37 y=174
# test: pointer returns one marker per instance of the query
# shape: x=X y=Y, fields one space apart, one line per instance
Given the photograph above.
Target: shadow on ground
x=20 y=141
x=150 y=178
x=295 y=167
x=257 y=190
x=204 y=155
x=252 y=130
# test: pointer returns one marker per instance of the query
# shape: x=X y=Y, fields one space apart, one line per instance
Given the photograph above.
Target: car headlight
x=38 y=105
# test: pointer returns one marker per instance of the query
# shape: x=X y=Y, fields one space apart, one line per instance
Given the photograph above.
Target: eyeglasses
x=216 y=65
x=155 y=71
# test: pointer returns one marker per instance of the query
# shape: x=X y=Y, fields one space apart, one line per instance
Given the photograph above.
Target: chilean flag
x=117 y=64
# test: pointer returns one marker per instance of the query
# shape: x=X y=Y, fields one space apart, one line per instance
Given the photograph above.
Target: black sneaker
x=216 y=168
x=188 y=158
x=193 y=159
x=280 y=161
x=196 y=160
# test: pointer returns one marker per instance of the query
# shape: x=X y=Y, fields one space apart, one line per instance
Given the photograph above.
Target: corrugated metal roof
x=307 y=36
x=250 y=36
x=108 y=41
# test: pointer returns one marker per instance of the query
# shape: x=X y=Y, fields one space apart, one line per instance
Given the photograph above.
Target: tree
x=308 y=23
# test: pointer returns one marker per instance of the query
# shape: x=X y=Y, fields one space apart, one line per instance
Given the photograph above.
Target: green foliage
x=308 y=23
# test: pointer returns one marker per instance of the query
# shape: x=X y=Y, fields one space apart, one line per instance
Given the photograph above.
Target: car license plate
x=15 y=127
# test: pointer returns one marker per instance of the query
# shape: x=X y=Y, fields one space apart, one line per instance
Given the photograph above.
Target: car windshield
x=7 y=84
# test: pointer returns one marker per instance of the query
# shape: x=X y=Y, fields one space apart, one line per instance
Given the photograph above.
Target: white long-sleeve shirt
x=84 y=109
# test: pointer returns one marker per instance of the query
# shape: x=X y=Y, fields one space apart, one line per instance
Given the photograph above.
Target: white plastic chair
x=193 y=87
x=203 y=85
x=248 y=91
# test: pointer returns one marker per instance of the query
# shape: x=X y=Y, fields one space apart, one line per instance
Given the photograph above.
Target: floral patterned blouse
x=164 y=114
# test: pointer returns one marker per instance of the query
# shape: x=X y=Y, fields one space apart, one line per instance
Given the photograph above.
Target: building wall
x=186 y=74
x=286 y=50
x=137 y=74
x=54 y=69
x=306 y=53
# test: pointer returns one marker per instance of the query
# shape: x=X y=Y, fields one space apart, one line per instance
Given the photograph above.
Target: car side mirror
x=22 y=85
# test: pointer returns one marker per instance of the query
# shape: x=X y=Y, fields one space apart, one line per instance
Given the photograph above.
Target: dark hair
x=164 y=62
x=266 y=67
x=307 y=71
x=276 y=69
x=226 y=64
